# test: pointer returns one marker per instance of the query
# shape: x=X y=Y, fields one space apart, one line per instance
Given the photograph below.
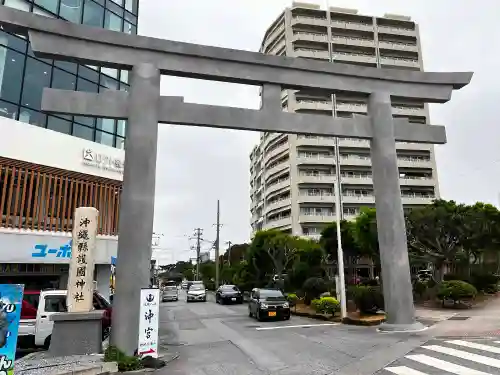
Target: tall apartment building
x=51 y=164
x=293 y=177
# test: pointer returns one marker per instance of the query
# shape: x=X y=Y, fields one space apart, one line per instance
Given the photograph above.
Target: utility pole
x=198 y=232
x=229 y=244
x=217 y=240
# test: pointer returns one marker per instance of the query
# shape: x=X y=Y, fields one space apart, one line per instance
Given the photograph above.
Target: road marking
x=444 y=365
x=474 y=345
x=465 y=355
x=297 y=326
x=403 y=370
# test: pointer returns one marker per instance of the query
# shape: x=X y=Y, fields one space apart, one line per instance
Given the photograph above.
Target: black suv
x=268 y=303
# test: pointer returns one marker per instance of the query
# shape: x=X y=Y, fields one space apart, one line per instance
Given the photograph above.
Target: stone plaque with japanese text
x=81 y=267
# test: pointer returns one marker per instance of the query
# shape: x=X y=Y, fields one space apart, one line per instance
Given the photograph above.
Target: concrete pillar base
x=395 y=328
x=76 y=334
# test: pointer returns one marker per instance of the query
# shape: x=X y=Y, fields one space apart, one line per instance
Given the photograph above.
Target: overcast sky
x=197 y=166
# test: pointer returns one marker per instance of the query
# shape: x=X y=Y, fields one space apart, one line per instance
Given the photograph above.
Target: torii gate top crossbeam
x=60 y=40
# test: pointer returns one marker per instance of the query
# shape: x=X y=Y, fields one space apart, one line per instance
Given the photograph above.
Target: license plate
x=272 y=313
x=233 y=299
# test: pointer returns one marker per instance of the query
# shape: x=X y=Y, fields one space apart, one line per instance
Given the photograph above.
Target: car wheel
x=216 y=299
x=222 y=301
x=204 y=300
x=46 y=343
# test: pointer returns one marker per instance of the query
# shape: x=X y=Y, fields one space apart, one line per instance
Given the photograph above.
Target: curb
x=317 y=317
x=144 y=370
x=100 y=369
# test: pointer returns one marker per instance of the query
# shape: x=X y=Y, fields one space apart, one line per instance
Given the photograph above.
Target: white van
x=37 y=332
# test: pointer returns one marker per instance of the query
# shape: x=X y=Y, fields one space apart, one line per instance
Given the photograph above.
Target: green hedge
x=325 y=305
x=368 y=299
x=456 y=290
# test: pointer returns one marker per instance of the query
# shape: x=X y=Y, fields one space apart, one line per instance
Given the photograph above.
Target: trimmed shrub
x=419 y=288
x=313 y=287
x=456 y=290
x=325 y=305
x=124 y=362
x=368 y=299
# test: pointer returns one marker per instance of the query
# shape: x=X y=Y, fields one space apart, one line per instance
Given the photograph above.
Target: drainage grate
x=459 y=318
x=252 y=326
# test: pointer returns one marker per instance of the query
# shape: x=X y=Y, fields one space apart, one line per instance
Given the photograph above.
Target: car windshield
x=197 y=287
x=229 y=288
x=271 y=295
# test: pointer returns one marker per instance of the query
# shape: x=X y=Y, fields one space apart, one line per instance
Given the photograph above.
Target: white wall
x=19 y=247
x=29 y=143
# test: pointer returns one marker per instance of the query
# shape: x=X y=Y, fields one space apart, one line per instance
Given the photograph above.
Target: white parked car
x=196 y=292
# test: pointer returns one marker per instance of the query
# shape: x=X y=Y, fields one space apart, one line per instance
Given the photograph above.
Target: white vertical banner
x=81 y=266
x=148 y=323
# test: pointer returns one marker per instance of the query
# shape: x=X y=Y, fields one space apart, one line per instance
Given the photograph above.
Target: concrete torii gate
x=144 y=108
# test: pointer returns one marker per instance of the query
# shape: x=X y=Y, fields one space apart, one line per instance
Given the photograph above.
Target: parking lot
x=215 y=339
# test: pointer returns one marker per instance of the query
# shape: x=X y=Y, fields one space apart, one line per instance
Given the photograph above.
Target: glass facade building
x=23 y=76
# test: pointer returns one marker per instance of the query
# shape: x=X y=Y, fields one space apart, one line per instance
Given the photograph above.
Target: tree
x=235 y=254
x=365 y=235
x=351 y=250
x=436 y=232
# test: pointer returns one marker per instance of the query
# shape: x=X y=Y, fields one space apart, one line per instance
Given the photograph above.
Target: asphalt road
x=214 y=339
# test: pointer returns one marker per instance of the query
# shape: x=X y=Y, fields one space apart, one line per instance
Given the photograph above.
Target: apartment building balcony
x=351 y=25
x=312 y=37
x=408 y=111
x=305 y=20
x=276 y=169
x=410 y=162
x=314 y=54
x=310 y=218
x=396 y=31
x=417 y=200
x=280 y=223
x=357 y=180
x=413 y=146
x=417 y=181
x=356 y=161
x=306 y=198
x=315 y=141
x=407 y=63
x=274 y=35
x=317 y=179
x=271 y=138
x=312 y=236
x=351 y=41
x=276 y=187
x=398 y=46
x=358 y=199
x=276 y=48
x=324 y=105
x=354 y=57
x=354 y=142
x=319 y=160
x=276 y=205
x=281 y=149
x=351 y=107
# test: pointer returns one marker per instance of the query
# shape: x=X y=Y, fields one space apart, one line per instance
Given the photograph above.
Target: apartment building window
x=316 y=211
x=358 y=192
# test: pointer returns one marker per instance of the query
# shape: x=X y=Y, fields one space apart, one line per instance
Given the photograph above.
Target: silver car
x=170 y=293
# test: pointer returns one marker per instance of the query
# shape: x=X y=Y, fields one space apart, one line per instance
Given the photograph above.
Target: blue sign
x=43 y=250
x=11 y=299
